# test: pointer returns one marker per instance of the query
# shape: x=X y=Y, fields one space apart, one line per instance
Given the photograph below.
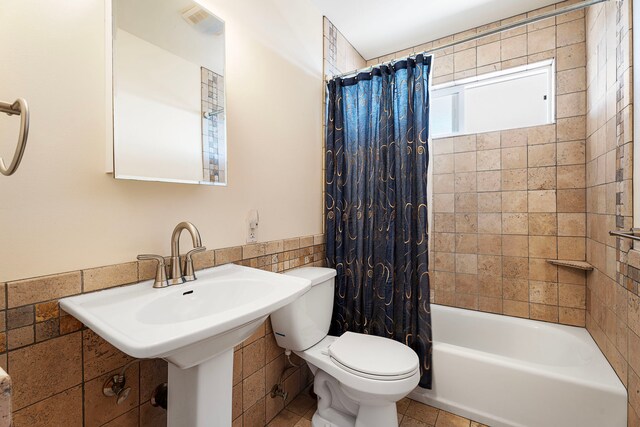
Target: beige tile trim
x=52 y=287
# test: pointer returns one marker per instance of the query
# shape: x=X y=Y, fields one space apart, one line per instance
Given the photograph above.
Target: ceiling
x=376 y=27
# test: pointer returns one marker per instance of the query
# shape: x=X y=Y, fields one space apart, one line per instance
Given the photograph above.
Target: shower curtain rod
x=492 y=31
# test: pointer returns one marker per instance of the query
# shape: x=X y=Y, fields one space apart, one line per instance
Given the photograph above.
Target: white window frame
x=460 y=86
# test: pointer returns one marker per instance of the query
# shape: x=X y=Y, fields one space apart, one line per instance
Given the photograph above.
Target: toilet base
x=377 y=416
x=338 y=406
x=391 y=416
x=374 y=418
x=318 y=421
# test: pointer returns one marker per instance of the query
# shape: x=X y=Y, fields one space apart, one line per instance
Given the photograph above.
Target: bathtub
x=504 y=371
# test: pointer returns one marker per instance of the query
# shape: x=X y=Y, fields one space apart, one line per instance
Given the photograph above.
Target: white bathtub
x=504 y=371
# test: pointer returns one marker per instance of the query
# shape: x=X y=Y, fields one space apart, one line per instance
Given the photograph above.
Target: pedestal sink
x=194 y=326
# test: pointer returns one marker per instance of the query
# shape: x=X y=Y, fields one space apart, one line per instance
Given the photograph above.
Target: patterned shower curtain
x=376 y=204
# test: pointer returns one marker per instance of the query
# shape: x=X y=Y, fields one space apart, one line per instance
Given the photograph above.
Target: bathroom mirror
x=168 y=92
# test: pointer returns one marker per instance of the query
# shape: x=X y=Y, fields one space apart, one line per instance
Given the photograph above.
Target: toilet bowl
x=358 y=378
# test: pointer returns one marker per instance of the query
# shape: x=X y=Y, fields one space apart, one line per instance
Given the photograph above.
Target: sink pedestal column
x=201 y=396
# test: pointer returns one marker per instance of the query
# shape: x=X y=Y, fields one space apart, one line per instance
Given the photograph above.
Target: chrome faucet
x=175 y=276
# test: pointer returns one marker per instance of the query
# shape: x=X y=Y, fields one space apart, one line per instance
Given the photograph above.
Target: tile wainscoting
x=58 y=366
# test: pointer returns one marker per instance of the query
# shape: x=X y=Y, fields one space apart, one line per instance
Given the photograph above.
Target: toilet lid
x=374 y=356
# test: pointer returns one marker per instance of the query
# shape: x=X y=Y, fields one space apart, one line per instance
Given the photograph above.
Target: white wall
x=61 y=211
x=157 y=109
x=150 y=19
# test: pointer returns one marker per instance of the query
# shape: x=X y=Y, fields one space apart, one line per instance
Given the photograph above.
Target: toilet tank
x=305 y=322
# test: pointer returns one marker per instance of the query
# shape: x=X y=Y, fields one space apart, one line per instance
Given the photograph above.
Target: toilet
x=358 y=378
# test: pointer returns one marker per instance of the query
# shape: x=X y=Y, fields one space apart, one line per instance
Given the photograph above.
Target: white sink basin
x=197 y=302
x=194 y=326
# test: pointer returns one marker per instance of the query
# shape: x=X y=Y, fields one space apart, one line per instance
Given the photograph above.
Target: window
x=514 y=98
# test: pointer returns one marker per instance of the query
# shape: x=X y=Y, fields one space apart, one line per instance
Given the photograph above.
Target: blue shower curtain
x=377 y=157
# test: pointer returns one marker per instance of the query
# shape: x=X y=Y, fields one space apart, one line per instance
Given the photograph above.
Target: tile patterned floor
x=298 y=413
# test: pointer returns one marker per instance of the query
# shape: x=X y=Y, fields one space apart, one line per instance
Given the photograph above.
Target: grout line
x=82 y=357
x=14 y=411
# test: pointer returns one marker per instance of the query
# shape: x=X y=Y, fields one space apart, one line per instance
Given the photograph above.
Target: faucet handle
x=189 y=273
x=161 y=270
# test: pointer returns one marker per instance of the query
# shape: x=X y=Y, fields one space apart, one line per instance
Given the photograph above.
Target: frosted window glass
x=442 y=115
x=510 y=104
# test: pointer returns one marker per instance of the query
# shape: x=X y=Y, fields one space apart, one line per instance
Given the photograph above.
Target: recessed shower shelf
x=580 y=265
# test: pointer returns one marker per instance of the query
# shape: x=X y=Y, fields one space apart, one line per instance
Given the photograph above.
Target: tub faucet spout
x=175 y=276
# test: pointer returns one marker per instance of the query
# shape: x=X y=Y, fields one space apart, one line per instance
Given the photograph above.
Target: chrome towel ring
x=18 y=108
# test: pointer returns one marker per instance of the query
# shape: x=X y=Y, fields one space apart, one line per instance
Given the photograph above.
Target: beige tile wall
x=58 y=366
x=505 y=202
x=613 y=305
x=339 y=55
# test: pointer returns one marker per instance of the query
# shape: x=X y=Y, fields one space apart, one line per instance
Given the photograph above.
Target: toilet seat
x=318 y=357
x=373 y=357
